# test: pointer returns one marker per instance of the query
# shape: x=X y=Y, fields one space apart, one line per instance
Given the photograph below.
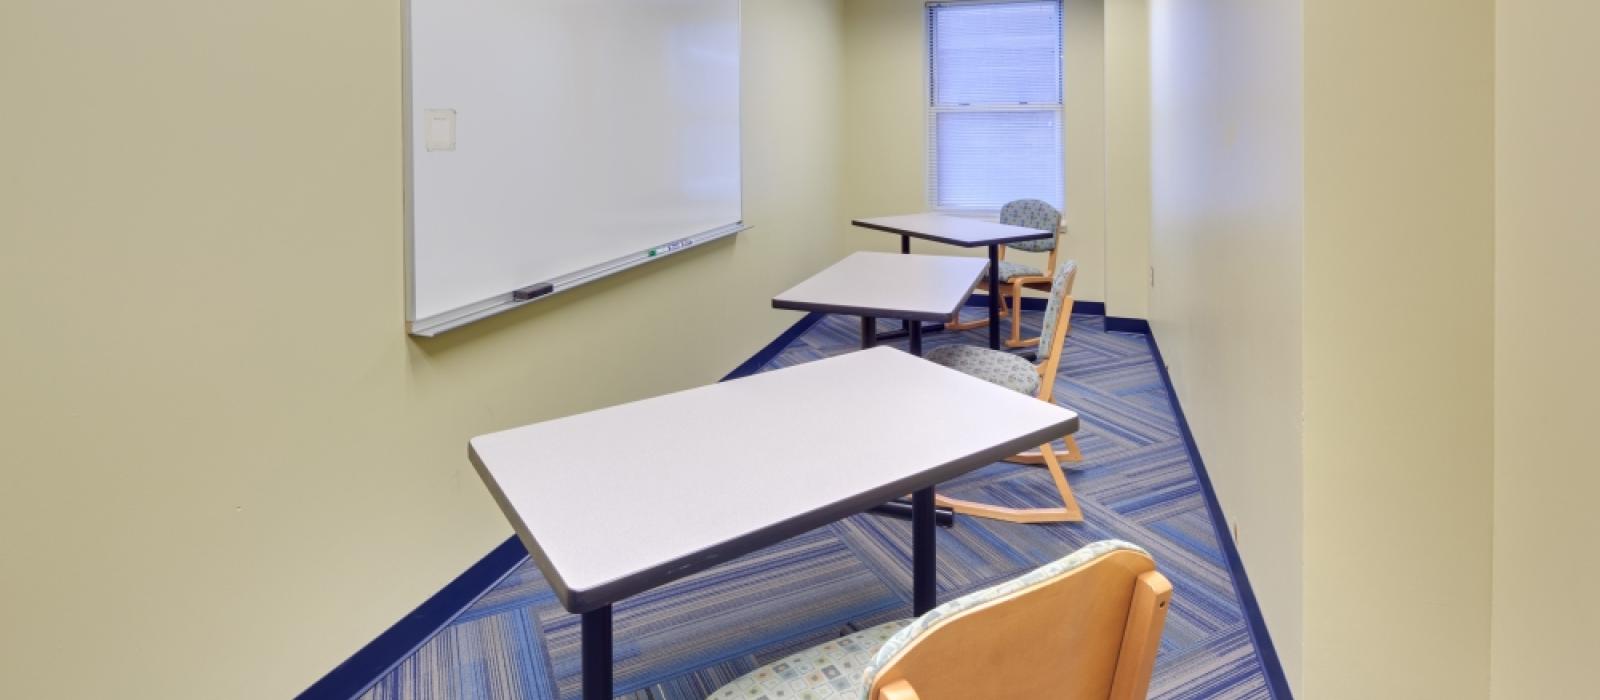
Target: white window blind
x=995 y=104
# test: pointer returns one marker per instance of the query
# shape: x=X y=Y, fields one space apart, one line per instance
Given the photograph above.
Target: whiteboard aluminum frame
x=501 y=303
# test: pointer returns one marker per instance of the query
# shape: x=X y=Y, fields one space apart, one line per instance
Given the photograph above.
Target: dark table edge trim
x=579 y=601
x=787 y=305
x=1040 y=235
x=930 y=316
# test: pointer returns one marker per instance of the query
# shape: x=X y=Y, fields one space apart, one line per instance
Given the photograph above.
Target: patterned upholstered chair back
x=1064 y=630
x=1032 y=213
x=1060 y=289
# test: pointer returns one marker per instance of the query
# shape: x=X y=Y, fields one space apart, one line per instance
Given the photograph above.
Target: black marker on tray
x=533 y=292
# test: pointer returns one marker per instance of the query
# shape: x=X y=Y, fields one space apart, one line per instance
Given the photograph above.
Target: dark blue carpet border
x=1116 y=324
x=396 y=643
x=772 y=349
x=1277 y=682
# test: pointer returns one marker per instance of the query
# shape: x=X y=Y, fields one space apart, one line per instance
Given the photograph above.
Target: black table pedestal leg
x=916 y=338
x=597 y=654
x=994 y=298
x=905 y=249
x=869 y=332
x=924 y=555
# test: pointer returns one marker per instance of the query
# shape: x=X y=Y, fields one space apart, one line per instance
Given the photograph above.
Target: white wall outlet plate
x=440 y=127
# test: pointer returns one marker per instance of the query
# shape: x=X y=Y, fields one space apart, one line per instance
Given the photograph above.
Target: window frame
x=934 y=109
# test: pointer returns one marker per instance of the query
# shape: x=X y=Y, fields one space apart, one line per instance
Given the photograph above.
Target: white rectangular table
x=963 y=232
x=739 y=466
x=914 y=288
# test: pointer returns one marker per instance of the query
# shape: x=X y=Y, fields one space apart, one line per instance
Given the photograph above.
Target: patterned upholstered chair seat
x=993 y=366
x=1012 y=270
x=830 y=670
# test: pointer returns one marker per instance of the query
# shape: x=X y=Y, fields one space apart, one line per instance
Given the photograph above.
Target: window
x=995 y=101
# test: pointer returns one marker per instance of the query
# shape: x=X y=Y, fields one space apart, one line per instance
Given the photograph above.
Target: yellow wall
x=1323 y=223
x=1127 y=166
x=226 y=465
x=886 y=135
x=1546 y=343
x=1226 y=246
x=1398 y=347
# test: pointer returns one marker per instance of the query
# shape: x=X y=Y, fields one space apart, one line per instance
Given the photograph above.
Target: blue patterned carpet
x=684 y=640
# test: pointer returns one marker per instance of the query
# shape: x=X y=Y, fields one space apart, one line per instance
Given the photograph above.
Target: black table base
x=597 y=654
x=994 y=298
x=902 y=509
x=994 y=301
x=924 y=553
x=905 y=330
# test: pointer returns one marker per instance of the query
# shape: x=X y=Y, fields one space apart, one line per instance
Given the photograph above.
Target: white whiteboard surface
x=589 y=136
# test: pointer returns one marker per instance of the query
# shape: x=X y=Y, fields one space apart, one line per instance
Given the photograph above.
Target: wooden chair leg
x=1033 y=457
x=1068 y=513
x=1015 y=313
x=1016 y=340
x=956 y=324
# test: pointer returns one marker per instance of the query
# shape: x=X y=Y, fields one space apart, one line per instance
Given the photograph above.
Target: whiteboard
x=589 y=136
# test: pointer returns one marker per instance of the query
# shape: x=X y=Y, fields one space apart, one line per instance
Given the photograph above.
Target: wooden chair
x=1085 y=627
x=1016 y=277
x=1013 y=372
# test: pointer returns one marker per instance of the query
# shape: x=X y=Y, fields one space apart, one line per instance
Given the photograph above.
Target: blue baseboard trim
x=1277 y=682
x=396 y=643
x=1087 y=308
x=364 y=667
x=765 y=355
x=1117 y=324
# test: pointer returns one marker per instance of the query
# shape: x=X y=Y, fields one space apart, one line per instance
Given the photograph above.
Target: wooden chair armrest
x=898 y=690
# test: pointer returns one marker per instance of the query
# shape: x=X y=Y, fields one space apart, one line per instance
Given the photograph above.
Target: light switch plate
x=440 y=127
